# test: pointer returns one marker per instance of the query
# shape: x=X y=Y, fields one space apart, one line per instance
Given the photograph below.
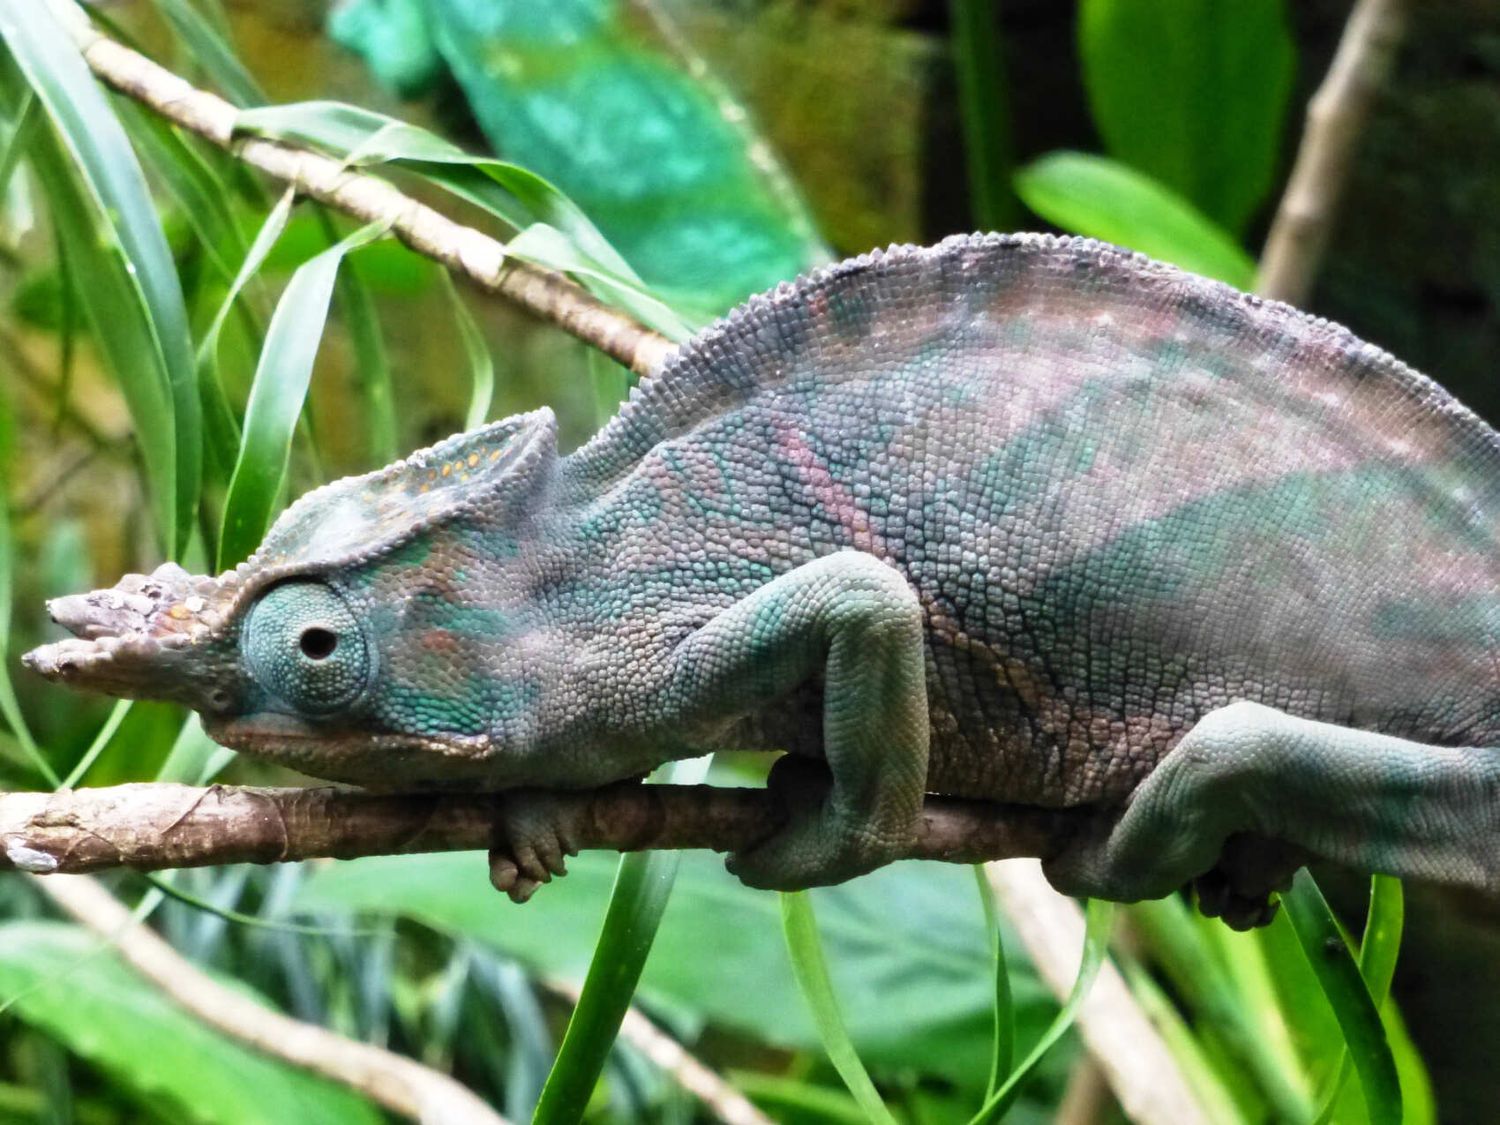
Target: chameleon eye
x=305 y=647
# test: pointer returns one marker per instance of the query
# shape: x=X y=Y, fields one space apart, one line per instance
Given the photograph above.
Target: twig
x=149 y=826
x=1134 y=1058
x=391 y=1080
x=674 y=1060
x=464 y=250
x=1336 y=117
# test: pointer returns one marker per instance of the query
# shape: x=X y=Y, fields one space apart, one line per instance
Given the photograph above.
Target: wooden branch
x=469 y=253
x=394 y=1081
x=149 y=826
x=1336 y=117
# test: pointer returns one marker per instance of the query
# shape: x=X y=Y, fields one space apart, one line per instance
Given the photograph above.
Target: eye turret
x=305 y=647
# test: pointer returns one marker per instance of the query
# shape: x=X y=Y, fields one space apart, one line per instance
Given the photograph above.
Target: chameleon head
x=284 y=655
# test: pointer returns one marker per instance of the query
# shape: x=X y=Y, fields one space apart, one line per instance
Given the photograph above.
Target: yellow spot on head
x=473 y=460
x=495 y=456
x=425 y=488
x=179 y=612
x=447 y=470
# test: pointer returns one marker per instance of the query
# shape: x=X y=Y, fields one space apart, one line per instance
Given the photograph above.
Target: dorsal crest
x=487 y=472
x=887 y=309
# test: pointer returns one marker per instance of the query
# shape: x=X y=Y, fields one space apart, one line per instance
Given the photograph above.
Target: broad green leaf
x=125 y=221
x=1339 y=977
x=115 y=229
x=277 y=395
x=1098 y=920
x=1193 y=93
x=811 y=971
x=916 y=982
x=65 y=984
x=662 y=160
x=642 y=889
x=1101 y=198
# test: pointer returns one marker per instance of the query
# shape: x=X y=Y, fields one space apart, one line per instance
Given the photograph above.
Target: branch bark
x=1336 y=117
x=150 y=826
x=469 y=253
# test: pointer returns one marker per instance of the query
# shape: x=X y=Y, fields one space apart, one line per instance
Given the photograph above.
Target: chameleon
x=1014 y=518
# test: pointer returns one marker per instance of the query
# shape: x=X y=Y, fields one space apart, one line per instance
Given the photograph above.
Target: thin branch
x=1336 y=117
x=149 y=826
x=467 y=252
x=393 y=1081
x=1135 y=1059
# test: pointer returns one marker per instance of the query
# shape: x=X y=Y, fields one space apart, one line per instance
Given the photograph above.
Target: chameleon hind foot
x=1240 y=886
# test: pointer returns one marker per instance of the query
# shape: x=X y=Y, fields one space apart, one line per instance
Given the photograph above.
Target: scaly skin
x=1002 y=518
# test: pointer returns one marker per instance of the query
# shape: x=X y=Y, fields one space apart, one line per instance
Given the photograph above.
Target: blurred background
x=717 y=146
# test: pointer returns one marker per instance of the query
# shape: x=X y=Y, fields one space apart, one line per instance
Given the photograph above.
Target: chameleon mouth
x=143 y=638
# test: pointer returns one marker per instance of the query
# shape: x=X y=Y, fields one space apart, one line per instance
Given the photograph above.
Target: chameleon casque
x=1014 y=517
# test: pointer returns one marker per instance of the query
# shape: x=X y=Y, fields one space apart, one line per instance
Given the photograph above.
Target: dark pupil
x=317 y=644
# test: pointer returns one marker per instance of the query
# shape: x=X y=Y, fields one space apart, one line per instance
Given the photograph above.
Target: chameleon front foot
x=532 y=845
x=1239 y=888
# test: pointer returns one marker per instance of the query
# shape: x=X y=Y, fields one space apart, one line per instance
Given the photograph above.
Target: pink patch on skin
x=834 y=498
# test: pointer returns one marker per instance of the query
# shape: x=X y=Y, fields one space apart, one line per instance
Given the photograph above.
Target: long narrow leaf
x=1322 y=941
x=220 y=424
x=978 y=64
x=1377 y=964
x=1005 y=1021
x=277 y=395
x=1099 y=918
x=811 y=971
x=372 y=366
x=515 y=195
x=203 y=41
x=643 y=884
x=124 y=213
x=481 y=365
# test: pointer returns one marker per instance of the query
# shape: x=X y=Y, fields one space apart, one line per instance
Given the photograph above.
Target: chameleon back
x=1124 y=494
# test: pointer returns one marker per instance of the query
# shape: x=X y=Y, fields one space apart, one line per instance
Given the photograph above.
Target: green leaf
x=642 y=889
x=1101 y=198
x=1099 y=918
x=1377 y=964
x=63 y=982
x=220 y=424
x=817 y=989
x=481 y=365
x=372 y=366
x=518 y=197
x=111 y=224
x=978 y=64
x=916 y=982
x=1005 y=1019
x=1193 y=93
x=1339 y=977
x=208 y=48
x=653 y=150
x=277 y=395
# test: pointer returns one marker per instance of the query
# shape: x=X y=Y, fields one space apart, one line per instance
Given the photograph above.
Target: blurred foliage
x=182 y=353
